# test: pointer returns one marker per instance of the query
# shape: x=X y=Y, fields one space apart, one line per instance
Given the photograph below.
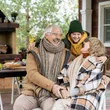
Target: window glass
x=107 y=15
x=106 y=24
x=107 y=34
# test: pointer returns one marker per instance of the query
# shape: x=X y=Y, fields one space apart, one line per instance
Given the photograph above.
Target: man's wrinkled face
x=75 y=37
x=54 y=37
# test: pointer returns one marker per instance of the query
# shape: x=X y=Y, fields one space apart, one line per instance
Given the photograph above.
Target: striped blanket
x=87 y=77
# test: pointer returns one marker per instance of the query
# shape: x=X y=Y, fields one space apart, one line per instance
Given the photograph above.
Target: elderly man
x=40 y=84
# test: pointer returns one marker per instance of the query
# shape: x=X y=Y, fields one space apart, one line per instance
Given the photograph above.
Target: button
x=48 y=85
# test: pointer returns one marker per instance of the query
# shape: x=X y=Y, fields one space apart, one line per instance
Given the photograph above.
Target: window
x=104 y=23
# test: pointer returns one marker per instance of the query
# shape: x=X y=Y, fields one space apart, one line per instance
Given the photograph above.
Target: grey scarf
x=45 y=49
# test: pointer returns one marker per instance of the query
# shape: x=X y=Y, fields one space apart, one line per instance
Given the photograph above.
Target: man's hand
x=65 y=93
x=57 y=90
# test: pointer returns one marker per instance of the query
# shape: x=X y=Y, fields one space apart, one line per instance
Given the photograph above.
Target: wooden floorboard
x=6 y=98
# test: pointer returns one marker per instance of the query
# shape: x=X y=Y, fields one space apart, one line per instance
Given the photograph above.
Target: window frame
x=102 y=6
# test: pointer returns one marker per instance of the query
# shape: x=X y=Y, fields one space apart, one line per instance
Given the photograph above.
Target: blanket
x=86 y=75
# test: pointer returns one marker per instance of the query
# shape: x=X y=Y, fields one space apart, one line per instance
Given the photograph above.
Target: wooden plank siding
x=94 y=33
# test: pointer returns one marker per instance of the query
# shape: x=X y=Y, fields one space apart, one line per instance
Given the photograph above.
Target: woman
x=87 y=82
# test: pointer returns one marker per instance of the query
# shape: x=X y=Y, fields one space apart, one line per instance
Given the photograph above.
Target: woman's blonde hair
x=96 y=47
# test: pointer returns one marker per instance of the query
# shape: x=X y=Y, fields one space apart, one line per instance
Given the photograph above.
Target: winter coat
x=34 y=81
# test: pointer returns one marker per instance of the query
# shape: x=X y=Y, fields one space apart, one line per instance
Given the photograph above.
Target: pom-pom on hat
x=75 y=26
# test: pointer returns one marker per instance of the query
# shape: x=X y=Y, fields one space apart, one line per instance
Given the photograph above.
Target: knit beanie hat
x=75 y=26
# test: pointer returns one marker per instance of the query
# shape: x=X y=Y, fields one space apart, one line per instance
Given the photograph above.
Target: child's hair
x=96 y=47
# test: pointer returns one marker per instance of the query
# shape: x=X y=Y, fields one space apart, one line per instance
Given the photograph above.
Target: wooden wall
x=80 y=7
x=8 y=37
x=95 y=21
x=95 y=16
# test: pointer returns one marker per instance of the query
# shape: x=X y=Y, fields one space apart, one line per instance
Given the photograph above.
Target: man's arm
x=38 y=79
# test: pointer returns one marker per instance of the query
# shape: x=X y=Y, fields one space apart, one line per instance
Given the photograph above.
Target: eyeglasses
x=56 y=34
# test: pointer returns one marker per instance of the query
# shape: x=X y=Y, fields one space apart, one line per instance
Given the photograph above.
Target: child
x=75 y=37
x=87 y=82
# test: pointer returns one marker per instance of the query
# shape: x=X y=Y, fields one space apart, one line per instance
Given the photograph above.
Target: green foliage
x=35 y=15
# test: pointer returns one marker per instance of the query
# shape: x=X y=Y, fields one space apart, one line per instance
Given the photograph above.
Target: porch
x=8 y=106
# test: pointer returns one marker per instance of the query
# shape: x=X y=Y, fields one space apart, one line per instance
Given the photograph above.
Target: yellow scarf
x=75 y=48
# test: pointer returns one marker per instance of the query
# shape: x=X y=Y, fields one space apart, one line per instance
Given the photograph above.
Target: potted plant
x=13 y=16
